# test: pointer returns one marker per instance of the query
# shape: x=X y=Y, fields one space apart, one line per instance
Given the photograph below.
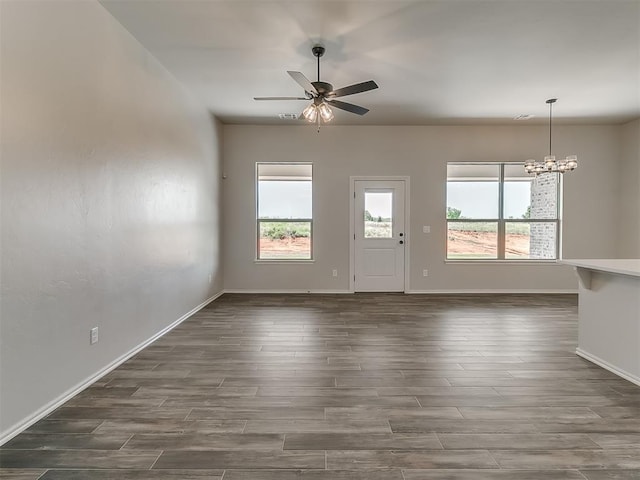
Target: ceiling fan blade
x=281 y=98
x=356 y=88
x=303 y=82
x=349 y=107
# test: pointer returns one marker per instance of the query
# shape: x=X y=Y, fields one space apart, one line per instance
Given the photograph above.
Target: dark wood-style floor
x=357 y=387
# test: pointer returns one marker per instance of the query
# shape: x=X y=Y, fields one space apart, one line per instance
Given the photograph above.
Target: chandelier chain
x=550 y=108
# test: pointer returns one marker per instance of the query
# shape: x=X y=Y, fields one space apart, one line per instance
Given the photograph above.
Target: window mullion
x=501 y=224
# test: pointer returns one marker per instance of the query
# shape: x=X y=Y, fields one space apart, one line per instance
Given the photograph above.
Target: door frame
x=352 y=232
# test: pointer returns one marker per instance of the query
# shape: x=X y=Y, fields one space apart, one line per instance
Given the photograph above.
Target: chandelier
x=550 y=164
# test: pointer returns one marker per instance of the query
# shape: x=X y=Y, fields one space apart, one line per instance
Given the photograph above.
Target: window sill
x=502 y=262
x=283 y=262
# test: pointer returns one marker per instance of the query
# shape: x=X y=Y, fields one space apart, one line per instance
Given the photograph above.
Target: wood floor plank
x=528 y=441
x=49 y=425
x=159 y=426
x=569 y=459
x=418 y=459
x=611 y=474
x=77 y=459
x=400 y=424
x=257 y=459
x=618 y=440
x=377 y=474
x=359 y=441
x=336 y=413
x=21 y=474
x=133 y=475
x=66 y=441
x=367 y=426
x=491 y=474
x=198 y=441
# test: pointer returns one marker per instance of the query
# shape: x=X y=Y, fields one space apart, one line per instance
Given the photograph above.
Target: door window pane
x=472 y=240
x=472 y=191
x=378 y=214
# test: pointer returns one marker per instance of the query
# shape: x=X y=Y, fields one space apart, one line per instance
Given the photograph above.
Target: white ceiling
x=436 y=62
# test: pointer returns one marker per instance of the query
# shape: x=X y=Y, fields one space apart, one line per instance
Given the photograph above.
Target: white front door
x=379 y=235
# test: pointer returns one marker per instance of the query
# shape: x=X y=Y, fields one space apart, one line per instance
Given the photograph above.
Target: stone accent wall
x=544 y=204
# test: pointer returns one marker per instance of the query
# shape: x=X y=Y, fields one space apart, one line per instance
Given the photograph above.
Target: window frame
x=501 y=221
x=260 y=221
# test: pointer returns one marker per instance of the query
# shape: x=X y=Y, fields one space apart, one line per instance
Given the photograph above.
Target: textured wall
x=110 y=200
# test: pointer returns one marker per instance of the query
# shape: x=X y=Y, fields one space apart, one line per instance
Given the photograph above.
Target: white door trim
x=407 y=226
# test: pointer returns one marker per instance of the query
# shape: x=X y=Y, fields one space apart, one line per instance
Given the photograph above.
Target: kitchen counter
x=609 y=314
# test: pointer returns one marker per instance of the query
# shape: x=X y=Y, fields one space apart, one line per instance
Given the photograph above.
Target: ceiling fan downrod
x=318 y=51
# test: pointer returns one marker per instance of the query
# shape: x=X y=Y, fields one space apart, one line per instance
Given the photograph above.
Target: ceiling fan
x=323 y=94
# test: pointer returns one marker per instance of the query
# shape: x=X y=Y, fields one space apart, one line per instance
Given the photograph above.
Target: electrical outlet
x=426 y=229
x=210 y=278
x=93 y=335
x=425 y=273
x=335 y=272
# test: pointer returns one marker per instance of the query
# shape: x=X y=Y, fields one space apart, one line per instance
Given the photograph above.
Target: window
x=284 y=218
x=495 y=211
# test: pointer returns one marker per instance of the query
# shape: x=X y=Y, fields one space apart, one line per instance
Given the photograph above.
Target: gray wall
x=110 y=200
x=421 y=152
x=628 y=214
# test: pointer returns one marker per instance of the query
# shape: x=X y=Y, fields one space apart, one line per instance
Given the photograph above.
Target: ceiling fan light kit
x=550 y=164
x=323 y=95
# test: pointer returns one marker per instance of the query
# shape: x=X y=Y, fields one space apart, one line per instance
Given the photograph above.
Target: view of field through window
x=378 y=208
x=285 y=222
x=486 y=201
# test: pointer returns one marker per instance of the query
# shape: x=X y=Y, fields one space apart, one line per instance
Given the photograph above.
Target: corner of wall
x=628 y=211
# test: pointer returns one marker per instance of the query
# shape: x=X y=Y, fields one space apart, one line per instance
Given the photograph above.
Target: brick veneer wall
x=544 y=204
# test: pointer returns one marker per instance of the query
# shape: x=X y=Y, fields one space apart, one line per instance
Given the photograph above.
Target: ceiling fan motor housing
x=322 y=88
x=317 y=50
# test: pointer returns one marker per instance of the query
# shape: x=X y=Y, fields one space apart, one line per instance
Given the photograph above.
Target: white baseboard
x=284 y=291
x=51 y=406
x=409 y=292
x=472 y=291
x=607 y=366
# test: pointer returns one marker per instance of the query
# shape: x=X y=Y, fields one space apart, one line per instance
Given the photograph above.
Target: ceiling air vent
x=524 y=116
x=288 y=116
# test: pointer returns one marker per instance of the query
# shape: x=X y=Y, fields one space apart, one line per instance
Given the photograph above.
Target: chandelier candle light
x=550 y=164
